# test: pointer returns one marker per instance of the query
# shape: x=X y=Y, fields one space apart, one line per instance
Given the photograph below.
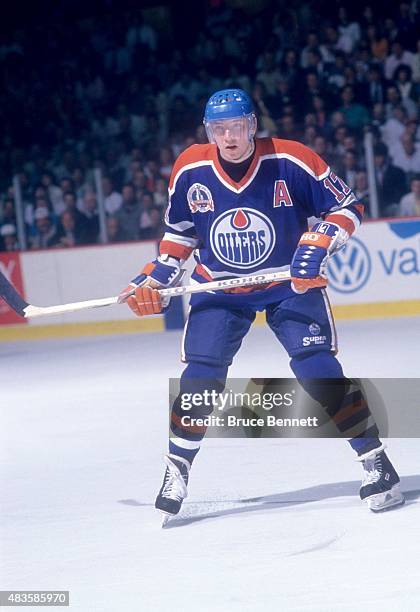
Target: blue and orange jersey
x=255 y=225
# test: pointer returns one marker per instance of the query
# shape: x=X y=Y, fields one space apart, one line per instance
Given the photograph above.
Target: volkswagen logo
x=350 y=268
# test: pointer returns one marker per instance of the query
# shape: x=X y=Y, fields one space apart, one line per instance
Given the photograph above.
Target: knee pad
x=321 y=375
x=319 y=364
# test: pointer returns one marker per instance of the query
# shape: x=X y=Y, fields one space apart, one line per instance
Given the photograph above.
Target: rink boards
x=376 y=275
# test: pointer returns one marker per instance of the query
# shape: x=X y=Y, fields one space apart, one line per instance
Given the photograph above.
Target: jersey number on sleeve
x=337 y=187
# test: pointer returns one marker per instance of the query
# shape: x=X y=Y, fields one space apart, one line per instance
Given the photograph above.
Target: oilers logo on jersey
x=242 y=237
x=199 y=198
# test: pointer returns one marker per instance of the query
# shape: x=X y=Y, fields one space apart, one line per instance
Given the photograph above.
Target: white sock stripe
x=187 y=444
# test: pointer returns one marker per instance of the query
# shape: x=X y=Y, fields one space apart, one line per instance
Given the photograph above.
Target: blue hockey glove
x=308 y=267
x=162 y=272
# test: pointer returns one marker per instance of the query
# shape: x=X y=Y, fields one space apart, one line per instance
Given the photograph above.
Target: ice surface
x=269 y=524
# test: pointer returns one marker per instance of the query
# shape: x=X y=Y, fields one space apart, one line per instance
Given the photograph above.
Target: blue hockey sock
x=197 y=377
x=344 y=403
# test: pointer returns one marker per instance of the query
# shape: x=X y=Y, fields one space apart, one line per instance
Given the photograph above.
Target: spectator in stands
x=394 y=127
x=313 y=43
x=128 y=214
x=166 y=162
x=112 y=198
x=266 y=122
x=69 y=234
x=139 y=180
x=410 y=203
x=361 y=190
x=90 y=230
x=149 y=226
x=322 y=148
x=30 y=209
x=114 y=231
x=334 y=73
x=160 y=195
x=315 y=63
x=356 y=115
x=374 y=88
x=312 y=88
x=406 y=154
x=378 y=43
x=8 y=214
x=349 y=31
x=66 y=184
x=290 y=69
x=65 y=167
x=390 y=182
x=340 y=134
x=407 y=22
x=413 y=128
x=288 y=128
x=46 y=231
x=398 y=56
x=71 y=204
x=81 y=186
x=309 y=136
x=350 y=168
x=408 y=90
x=8 y=238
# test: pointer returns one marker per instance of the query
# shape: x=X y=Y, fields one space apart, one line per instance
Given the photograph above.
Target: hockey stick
x=18 y=304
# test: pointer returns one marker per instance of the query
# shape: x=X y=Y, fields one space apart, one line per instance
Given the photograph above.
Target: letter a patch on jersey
x=281 y=194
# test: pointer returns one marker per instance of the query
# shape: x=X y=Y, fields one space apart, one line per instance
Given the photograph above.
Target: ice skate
x=174 y=487
x=381 y=484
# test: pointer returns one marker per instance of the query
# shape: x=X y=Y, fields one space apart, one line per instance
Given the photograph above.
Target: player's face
x=232 y=138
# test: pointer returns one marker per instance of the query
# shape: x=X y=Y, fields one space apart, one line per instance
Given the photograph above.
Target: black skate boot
x=381 y=484
x=174 y=487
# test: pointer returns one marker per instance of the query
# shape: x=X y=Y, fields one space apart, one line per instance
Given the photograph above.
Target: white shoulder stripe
x=204 y=162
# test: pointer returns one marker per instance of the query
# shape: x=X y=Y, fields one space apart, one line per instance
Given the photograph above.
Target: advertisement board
x=380 y=264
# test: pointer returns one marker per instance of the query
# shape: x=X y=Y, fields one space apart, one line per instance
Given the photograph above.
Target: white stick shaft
x=42 y=311
x=229 y=283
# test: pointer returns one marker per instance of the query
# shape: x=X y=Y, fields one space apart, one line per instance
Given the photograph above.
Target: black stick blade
x=11 y=296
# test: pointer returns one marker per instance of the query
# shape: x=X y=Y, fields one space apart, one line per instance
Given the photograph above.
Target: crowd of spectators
x=124 y=92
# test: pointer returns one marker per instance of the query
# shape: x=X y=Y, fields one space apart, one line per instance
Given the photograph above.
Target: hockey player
x=241 y=203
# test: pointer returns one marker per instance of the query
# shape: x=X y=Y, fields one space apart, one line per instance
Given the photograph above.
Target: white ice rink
x=269 y=524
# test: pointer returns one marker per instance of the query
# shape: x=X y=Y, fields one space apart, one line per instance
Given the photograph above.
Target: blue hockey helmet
x=229 y=104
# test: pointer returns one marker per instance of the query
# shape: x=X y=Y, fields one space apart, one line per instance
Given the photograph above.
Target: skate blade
x=386 y=500
x=166 y=518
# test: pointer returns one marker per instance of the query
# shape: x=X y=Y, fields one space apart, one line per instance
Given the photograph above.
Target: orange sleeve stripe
x=194 y=154
x=343 y=221
x=166 y=247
